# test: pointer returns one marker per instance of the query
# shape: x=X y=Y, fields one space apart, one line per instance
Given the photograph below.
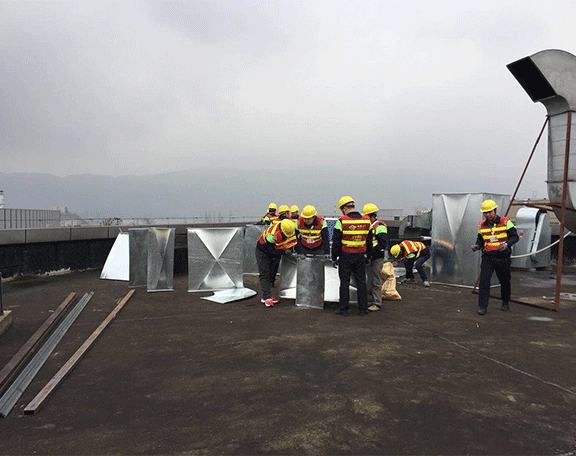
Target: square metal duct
x=161 y=259
x=455 y=218
x=138 y=252
x=251 y=235
x=215 y=258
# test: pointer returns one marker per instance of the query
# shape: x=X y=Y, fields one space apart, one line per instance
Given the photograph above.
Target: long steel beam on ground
x=10 y=370
x=18 y=387
x=51 y=386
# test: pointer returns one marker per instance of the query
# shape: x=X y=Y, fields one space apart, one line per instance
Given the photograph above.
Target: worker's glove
x=475 y=247
x=335 y=264
x=503 y=247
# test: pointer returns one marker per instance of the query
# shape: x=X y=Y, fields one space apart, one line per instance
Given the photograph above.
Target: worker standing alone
x=414 y=253
x=374 y=269
x=351 y=244
x=275 y=241
x=495 y=236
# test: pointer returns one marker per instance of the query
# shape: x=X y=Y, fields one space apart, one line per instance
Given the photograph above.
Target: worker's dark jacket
x=512 y=238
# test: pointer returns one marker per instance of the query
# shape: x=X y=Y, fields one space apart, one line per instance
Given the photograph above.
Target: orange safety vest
x=311 y=237
x=272 y=218
x=354 y=233
x=412 y=247
x=281 y=242
x=374 y=226
x=494 y=236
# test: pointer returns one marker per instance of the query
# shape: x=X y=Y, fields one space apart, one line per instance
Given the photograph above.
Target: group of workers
x=359 y=245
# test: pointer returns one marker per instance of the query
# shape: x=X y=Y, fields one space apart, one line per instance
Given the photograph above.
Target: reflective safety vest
x=375 y=225
x=311 y=237
x=354 y=233
x=281 y=242
x=270 y=218
x=412 y=249
x=494 y=236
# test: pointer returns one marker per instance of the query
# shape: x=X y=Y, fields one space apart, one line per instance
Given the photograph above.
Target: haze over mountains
x=231 y=192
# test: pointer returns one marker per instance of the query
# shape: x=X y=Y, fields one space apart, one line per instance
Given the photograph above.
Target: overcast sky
x=124 y=87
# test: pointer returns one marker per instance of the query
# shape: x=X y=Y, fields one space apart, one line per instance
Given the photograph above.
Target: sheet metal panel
x=251 y=235
x=310 y=282
x=215 y=258
x=455 y=218
x=233 y=294
x=117 y=265
x=533 y=227
x=161 y=259
x=138 y=251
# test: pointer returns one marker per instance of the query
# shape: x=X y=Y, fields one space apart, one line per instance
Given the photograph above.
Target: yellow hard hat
x=288 y=228
x=309 y=212
x=345 y=200
x=272 y=206
x=369 y=209
x=294 y=208
x=283 y=208
x=395 y=250
x=488 y=205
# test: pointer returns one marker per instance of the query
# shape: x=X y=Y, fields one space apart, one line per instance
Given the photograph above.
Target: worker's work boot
x=342 y=313
x=482 y=311
x=505 y=306
x=405 y=280
x=426 y=283
x=269 y=302
x=374 y=308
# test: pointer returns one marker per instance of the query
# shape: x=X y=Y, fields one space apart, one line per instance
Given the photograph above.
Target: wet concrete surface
x=175 y=374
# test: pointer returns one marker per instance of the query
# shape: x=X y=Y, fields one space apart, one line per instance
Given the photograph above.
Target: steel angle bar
x=51 y=386
x=9 y=399
x=8 y=373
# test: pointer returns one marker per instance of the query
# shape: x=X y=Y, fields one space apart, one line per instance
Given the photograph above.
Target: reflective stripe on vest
x=494 y=236
x=310 y=237
x=412 y=247
x=374 y=226
x=354 y=233
x=280 y=241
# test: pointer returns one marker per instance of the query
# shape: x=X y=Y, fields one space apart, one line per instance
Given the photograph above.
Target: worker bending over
x=374 y=270
x=275 y=241
x=312 y=233
x=414 y=253
x=351 y=244
x=495 y=236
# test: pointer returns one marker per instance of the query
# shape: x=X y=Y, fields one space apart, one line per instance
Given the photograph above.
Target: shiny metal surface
x=251 y=235
x=117 y=265
x=230 y=295
x=310 y=281
x=160 y=259
x=533 y=226
x=288 y=281
x=138 y=253
x=549 y=77
x=455 y=218
x=215 y=258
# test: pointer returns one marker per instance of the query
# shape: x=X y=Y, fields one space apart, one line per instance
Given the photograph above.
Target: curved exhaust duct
x=549 y=77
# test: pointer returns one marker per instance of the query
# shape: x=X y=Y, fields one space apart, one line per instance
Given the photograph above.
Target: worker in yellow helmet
x=414 y=254
x=294 y=212
x=351 y=244
x=275 y=241
x=270 y=216
x=312 y=233
x=374 y=269
x=495 y=237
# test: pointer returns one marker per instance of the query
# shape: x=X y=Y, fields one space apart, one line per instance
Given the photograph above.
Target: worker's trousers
x=267 y=267
x=488 y=266
x=409 y=264
x=375 y=282
x=348 y=264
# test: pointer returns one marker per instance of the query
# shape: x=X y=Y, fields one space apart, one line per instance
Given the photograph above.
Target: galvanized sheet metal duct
x=455 y=218
x=138 y=251
x=310 y=282
x=549 y=77
x=215 y=258
x=160 y=259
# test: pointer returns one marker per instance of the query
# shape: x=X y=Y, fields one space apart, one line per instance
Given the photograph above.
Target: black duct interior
x=531 y=79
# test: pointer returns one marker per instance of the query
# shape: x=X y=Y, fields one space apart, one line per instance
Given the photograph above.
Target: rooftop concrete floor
x=175 y=374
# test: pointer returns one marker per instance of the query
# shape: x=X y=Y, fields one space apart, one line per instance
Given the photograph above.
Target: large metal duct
x=549 y=77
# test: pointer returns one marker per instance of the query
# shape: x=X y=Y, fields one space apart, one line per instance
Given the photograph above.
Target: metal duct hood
x=549 y=77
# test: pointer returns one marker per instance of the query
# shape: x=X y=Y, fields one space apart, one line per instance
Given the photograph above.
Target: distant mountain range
x=229 y=192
